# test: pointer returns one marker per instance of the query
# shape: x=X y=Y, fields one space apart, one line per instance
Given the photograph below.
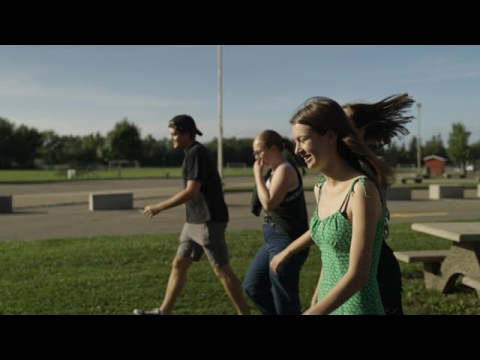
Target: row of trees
x=25 y=147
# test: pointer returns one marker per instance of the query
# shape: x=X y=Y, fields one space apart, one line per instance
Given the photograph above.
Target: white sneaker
x=155 y=311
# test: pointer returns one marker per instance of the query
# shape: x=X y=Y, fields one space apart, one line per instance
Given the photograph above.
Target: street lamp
x=220 y=121
x=419 y=149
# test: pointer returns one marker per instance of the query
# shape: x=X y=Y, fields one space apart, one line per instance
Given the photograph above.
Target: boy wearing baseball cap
x=206 y=219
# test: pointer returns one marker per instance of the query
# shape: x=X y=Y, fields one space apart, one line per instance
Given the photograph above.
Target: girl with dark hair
x=378 y=123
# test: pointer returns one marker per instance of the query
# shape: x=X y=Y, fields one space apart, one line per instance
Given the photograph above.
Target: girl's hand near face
x=258 y=166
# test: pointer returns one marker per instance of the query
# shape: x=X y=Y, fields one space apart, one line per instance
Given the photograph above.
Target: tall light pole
x=220 y=120
x=419 y=149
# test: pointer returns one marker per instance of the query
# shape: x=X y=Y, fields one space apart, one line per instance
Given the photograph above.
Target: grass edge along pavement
x=53 y=176
x=113 y=275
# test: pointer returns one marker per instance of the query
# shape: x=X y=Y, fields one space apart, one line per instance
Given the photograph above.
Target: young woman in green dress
x=349 y=221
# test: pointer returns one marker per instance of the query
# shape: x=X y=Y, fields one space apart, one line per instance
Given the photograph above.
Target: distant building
x=435 y=164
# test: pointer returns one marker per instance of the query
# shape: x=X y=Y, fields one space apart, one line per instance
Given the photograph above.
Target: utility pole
x=419 y=149
x=220 y=120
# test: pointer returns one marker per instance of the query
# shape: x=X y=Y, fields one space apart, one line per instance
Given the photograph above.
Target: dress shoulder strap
x=362 y=179
x=319 y=181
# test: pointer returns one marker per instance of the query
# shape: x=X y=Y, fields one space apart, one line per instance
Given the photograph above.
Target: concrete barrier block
x=399 y=193
x=445 y=192
x=6 y=204
x=110 y=201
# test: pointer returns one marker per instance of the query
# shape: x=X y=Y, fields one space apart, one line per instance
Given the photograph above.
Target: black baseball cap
x=184 y=123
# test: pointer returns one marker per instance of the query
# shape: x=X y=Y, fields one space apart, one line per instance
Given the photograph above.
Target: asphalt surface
x=60 y=210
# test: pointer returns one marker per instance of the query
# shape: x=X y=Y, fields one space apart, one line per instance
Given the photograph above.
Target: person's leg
x=257 y=285
x=176 y=281
x=391 y=300
x=187 y=252
x=285 y=283
x=233 y=288
x=389 y=277
x=212 y=237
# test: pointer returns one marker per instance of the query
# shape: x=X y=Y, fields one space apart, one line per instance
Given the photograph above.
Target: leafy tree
x=458 y=145
x=90 y=151
x=435 y=146
x=124 y=142
x=72 y=150
x=51 y=150
x=69 y=149
x=411 y=154
x=7 y=129
x=403 y=155
x=27 y=142
x=395 y=153
x=391 y=154
x=172 y=157
x=237 y=150
x=154 y=152
x=474 y=151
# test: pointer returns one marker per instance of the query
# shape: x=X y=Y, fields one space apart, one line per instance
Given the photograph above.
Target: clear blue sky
x=85 y=89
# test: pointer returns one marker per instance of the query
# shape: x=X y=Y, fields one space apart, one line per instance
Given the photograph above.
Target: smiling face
x=315 y=149
x=179 y=140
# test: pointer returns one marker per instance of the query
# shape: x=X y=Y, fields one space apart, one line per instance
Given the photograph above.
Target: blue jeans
x=275 y=294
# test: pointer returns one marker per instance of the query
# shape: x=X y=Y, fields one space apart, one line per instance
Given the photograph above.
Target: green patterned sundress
x=333 y=235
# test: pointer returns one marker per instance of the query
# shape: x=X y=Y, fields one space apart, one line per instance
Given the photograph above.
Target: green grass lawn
x=105 y=174
x=114 y=275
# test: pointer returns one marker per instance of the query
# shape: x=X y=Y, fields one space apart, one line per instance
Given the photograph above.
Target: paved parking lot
x=47 y=211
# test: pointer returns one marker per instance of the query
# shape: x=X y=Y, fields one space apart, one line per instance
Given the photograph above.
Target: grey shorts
x=196 y=239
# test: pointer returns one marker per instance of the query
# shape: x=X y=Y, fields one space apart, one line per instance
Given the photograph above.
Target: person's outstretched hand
x=150 y=211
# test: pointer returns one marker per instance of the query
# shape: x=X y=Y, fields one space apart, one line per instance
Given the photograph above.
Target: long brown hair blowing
x=323 y=114
x=383 y=120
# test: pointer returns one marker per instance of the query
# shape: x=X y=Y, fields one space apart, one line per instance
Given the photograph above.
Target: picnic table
x=461 y=260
